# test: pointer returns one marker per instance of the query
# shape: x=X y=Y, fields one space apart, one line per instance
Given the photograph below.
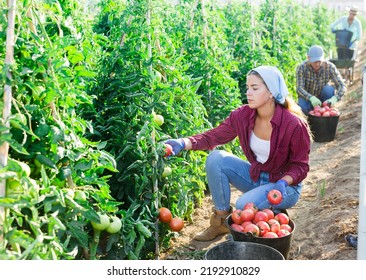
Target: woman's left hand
x=281 y=186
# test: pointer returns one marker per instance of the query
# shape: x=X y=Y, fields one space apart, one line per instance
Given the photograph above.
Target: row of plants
x=84 y=178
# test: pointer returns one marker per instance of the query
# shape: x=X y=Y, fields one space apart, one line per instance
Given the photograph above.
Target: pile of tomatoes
x=324 y=111
x=165 y=216
x=260 y=223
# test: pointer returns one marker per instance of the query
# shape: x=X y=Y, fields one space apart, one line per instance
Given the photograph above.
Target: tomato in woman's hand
x=274 y=197
x=168 y=150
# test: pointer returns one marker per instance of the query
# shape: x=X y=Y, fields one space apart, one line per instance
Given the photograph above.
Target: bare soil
x=328 y=207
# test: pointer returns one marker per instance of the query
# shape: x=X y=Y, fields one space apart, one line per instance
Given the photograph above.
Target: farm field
x=328 y=207
x=92 y=91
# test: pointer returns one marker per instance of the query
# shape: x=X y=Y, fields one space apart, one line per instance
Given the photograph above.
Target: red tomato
x=274 y=197
x=325 y=103
x=260 y=216
x=251 y=205
x=270 y=234
x=168 y=150
x=326 y=114
x=176 y=224
x=165 y=216
x=269 y=213
x=282 y=232
x=246 y=215
x=246 y=223
x=326 y=107
x=274 y=225
x=282 y=218
x=235 y=216
x=286 y=227
x=252 y=228
x=237 y=227
x=334 y=112
x=263 y=227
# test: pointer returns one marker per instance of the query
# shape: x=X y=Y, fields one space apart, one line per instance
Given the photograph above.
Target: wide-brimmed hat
x=353 y=9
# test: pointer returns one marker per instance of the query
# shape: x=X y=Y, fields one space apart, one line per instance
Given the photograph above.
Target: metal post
x=361 y=242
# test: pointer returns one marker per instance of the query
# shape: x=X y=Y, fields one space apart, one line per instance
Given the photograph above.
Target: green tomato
x=13 y=188
x=167 y=172
x=115 y=226
x=80 y=195
x=103 y=224
x=159 y=120
x=69 y=193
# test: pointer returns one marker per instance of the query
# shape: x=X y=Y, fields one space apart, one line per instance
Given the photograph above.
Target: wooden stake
x=9 y=59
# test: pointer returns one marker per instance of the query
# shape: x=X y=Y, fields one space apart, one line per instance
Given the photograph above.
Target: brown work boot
x=217 y=227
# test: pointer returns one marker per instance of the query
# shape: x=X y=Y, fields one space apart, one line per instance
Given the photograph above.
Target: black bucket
x=323 y=128
x=343 y=38
x=282 y=244
x=234 y=250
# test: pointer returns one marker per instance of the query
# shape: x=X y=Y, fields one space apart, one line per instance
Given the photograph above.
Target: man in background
x=350 y=23
x=313 y=78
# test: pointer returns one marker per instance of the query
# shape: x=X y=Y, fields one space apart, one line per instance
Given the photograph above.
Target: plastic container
x=282 y=244
x=323 y=128
x=343 y=38
x=235 y=250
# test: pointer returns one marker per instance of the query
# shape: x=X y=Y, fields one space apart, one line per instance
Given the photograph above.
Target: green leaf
x=46 y=161
x=76 y=230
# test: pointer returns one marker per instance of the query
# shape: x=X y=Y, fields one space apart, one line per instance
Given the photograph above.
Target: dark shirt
x=289 y=148
x=310 y=83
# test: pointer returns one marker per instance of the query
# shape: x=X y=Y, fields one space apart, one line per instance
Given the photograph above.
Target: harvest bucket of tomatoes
x=235 y=250
x=323 y=122
x=281 y=242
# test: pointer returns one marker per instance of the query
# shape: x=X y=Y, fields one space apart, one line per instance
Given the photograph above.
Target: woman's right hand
x=177 y=145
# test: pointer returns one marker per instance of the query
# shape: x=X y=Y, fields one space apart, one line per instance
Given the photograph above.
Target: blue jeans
x=327 y=92
x=223 y=169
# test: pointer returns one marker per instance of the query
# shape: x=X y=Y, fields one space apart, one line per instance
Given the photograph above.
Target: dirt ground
x=328 y=207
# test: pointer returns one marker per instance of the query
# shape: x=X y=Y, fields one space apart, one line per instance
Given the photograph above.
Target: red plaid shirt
x=289 y=149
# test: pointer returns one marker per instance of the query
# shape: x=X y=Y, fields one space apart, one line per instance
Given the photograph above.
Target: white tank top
x=260 y=148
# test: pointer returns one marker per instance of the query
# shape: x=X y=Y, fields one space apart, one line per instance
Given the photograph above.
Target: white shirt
x=260 y=148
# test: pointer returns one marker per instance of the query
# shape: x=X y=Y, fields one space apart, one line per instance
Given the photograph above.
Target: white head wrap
x=275 y=82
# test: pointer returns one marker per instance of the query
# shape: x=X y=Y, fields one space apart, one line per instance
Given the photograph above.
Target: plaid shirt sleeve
x=338 y=81
x=300 y=82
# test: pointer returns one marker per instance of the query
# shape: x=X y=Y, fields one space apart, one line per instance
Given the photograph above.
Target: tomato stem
x=94 y=244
